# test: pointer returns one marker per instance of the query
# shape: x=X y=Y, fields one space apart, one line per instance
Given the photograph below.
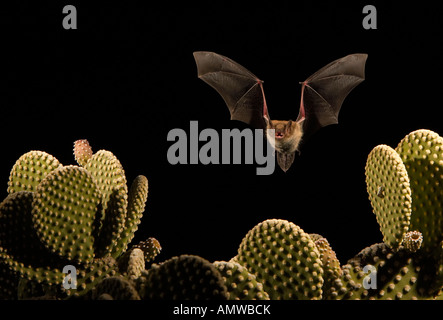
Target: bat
x=322 y=95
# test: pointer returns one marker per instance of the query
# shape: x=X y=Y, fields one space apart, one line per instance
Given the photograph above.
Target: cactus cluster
x=405 y=189
x=284 y=258
x=86 y=216
x=74 y=215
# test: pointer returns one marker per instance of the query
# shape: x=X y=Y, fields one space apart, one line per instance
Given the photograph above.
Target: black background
x=127 y=76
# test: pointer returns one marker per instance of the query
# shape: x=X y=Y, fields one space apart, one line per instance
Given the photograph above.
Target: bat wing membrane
x=323 y=92
x=241 y=90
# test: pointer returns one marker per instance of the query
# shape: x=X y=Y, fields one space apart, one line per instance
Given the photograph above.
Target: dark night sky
x=127 y=76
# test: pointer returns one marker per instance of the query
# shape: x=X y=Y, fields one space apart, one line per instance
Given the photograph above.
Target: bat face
x=287 y=136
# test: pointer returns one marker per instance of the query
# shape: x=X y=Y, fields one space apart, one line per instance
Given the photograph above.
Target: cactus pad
x=90 y=275
x=30 y=169
x=389 y=192
x=422 y=154
x=186 y=277
x=82 y=151
x=150 y=247
x=240 y=283
x=132 y=263
x=64 y=209
x=113 y=222
x=331 y=265
x=56 y=216
x=19 y=244
x=17 y=237
x=108 y=174
x=118 y=288
x=138 y=194
x=284 y=258
x=399 y=274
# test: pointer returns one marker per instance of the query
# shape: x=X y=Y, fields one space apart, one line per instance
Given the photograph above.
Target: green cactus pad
x=132 y=263
x=17 y=236
x=118 y=288
x=331 y=265
x=327 y=255
x=43 y=271
x=33 y=290
x=388 y=187
x=30 y=169
x=88 y=276
x=186 y=277
x=138 y=194
x=113 y=223
x=284 y=258
x=422 y=154
x=150 y=247
x=344 y=287
x=108 y=174
x=21 y=251
x=82 y=151
x=399 y=274
x=240 y=283
x=64 y=209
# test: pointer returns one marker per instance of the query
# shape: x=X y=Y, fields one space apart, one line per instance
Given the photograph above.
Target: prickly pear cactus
x=108 y=174
x=57 y=216
x=150 y=247
x=331 y=265
x=378 y=272
x=186 y=277
x=412 y=241
x=82 y=151
x=240 y=283
x=405 y=189
x=63 y=212
x=138 y=193
x=389 y=192
x=21 y=251
x=132 y=263
x=422 y=153
x=30 y=169
x=284 y=258
x=116 y=288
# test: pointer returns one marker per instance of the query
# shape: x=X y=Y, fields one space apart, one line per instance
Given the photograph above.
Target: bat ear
x=301 y=121
x=267 y=121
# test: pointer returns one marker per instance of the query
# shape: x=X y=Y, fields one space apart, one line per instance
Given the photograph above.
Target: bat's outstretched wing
x=240 y=88
x=323 y=92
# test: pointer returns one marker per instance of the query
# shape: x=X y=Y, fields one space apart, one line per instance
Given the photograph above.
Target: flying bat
x=322 y=96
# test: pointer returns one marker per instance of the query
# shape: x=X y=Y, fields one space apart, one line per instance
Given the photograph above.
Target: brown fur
x=288 y=135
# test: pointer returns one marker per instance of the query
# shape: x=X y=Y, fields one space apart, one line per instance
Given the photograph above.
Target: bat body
x=322 y=95
x=285 y=140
